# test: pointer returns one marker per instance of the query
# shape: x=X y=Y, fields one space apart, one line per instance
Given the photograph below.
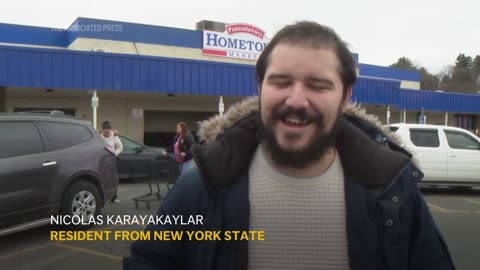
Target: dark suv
x=51 y=164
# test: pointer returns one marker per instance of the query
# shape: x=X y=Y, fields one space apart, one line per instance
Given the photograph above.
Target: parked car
x=447 y=155
x=138 y=161
x=51 y=164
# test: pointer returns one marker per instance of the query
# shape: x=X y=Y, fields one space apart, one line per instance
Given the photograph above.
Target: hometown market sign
x=240 y=40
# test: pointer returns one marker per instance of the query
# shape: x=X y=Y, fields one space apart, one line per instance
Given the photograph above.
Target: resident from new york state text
x=147 y=235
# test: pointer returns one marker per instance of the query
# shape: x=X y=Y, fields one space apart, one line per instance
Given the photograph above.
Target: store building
x=147 y=78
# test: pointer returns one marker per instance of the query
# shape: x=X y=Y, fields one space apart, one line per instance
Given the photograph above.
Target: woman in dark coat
x=181 y=146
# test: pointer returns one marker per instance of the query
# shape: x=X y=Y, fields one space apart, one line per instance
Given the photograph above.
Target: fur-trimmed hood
x=370 y=154
x=211 y=128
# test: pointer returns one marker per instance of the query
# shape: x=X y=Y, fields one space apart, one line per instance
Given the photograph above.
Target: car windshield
x=129 y=144
x=132 y=145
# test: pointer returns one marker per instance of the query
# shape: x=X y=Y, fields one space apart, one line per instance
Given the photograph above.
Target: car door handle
x=49 y=163
x=453 y=156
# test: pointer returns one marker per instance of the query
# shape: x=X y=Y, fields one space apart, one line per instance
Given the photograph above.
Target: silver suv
x=51 y=164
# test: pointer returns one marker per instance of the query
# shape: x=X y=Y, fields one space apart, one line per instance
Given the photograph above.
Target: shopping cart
x=162 y=170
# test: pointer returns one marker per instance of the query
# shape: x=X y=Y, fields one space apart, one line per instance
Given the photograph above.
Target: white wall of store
x=118 y=107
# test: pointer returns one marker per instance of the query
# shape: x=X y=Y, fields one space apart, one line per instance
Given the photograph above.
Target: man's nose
x=298 y=97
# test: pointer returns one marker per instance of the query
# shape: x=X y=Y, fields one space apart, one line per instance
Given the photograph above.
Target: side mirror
x=138 y=150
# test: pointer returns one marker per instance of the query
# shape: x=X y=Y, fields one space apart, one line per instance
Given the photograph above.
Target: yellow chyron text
x=157 y=235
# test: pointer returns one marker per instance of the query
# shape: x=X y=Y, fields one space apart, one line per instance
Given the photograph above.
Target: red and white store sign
x=240 y=40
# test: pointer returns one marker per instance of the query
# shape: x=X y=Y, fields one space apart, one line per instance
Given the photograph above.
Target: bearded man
x=327 y=186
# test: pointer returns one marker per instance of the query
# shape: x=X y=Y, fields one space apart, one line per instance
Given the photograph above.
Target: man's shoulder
x=191 y=175
x=190 y=183
x=195 y=184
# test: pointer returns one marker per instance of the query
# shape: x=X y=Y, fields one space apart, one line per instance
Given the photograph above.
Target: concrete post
x=388 y=115
x=221 y=105
x=94 y=107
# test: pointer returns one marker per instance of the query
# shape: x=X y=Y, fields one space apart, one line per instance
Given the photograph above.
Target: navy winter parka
x=389 y=225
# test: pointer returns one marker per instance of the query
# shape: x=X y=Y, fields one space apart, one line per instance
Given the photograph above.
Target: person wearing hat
x=114 y=145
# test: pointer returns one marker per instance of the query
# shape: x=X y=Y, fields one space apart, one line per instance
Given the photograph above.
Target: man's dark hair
x=316 y=36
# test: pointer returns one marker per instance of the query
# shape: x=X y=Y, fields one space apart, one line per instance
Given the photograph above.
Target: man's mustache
x=302 y=114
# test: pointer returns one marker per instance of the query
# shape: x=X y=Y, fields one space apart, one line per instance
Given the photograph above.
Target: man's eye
x=281 y=83
x=319 y=86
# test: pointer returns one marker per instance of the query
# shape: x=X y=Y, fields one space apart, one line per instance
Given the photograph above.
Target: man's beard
x=318 y=145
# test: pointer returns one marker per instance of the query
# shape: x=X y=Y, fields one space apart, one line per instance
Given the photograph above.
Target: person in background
x=181 y=146
x=114 y=145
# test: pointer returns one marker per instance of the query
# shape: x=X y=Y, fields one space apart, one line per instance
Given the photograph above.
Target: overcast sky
x=430 y=32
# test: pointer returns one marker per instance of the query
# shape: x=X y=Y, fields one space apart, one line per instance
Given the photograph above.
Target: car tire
x=81 y=199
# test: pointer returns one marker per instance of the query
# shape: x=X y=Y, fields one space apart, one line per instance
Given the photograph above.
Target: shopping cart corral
x=162 y=170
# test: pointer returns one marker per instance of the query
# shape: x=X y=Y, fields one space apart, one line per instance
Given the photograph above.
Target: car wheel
x=81 y=199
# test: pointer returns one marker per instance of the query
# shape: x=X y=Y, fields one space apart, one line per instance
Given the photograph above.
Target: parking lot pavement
x=33 y=249
x=457 y=213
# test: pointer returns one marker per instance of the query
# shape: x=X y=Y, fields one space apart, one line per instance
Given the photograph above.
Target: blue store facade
x=149 y=77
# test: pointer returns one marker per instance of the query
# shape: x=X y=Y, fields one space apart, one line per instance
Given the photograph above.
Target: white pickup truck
x=447 y=155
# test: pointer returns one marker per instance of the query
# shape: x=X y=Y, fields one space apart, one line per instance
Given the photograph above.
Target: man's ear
x=346 y=99
x=259 y=89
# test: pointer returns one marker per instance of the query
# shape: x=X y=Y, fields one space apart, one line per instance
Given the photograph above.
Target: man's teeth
x=295 y=121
